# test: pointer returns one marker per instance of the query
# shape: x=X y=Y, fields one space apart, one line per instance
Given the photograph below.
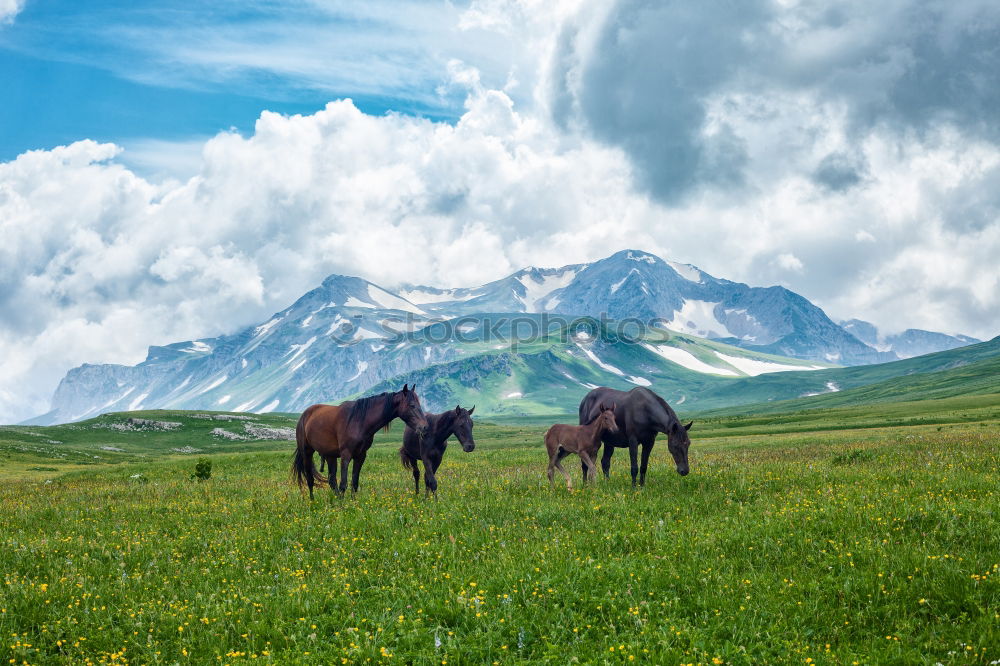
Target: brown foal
x=562 y=440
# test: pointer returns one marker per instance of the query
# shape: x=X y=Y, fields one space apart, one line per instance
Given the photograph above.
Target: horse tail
x=302 y=465
x=405 y=459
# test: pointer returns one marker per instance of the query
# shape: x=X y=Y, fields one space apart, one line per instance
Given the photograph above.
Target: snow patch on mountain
x=137 y=403
x=641 y=256
x=698 y=318
x=687 y=360
x=831 y=387
x=299 y=349
x=362 y=366
x=384 y=299
x=686 y=271
x=606 y=366
x=617 y=285
x=536 y=290
x=218 y=381
x=264 y=328
x=753 y=367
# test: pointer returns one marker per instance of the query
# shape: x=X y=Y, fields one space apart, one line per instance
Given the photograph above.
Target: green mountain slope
x=894 y=379
x=977 y=378
x=552 y=379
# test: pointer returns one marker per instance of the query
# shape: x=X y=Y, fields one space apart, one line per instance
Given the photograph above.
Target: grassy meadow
x=835 y=536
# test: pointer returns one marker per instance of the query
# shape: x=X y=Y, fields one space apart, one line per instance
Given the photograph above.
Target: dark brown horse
x=584 y=440
x=431 y=448
x=641 y=414
x=346 y=431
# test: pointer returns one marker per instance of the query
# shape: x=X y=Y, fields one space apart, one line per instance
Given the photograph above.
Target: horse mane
x=362 y=406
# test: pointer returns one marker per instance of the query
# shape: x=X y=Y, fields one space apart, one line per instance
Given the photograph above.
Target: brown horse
x=346 y=431
x=562 y=440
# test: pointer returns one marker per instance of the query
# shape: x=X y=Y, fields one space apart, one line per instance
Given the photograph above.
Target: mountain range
x=516 y=345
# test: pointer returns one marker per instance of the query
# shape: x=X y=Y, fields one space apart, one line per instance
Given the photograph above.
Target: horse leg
x=430 y=480
x=609 y=451
x=332 y=479
x=416 y=475
x=633 y=454
x=589 y=466
x=647 y=448
x=309 y=477
x=359 y=460
x=345 y=460
x=559 y=456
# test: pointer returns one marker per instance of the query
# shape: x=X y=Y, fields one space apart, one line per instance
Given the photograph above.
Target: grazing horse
x=641 y=414
x=583 y=440
x=430 y=449
x=346 y=431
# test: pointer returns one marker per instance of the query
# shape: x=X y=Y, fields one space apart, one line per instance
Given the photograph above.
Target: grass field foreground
x=869 y=545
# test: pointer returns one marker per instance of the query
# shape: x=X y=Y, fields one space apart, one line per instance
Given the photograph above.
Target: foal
x=562 y=440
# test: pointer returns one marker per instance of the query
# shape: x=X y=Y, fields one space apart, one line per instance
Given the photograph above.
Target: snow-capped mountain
x=679 y=297
x=347 y=336
x=911 y=342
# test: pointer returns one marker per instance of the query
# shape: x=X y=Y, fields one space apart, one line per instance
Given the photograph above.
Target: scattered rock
x=140 y=425
x=258 y=431
x=225 y=434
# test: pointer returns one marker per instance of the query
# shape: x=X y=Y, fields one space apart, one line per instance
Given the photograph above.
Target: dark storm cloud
x=643 y=76
x=644 y=83
x=839 y=172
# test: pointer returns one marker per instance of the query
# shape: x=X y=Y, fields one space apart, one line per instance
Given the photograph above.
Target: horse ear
x=458 y=408
x=405 y=389
x=472 y=410
x=688 y=426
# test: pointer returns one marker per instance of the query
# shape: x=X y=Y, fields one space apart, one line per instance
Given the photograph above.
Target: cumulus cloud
x=94 y=251
x=9 y=9
x=781 y=144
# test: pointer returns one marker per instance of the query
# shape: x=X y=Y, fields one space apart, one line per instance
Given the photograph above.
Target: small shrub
x=852 y=457
x=203 y=470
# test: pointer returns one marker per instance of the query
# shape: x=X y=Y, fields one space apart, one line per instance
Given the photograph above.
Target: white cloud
x=98 y=262
x=9 y=9
x=789 y=262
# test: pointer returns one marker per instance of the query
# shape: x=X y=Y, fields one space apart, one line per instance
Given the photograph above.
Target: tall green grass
x=855 y=546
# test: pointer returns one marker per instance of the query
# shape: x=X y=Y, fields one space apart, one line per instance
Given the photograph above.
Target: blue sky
x=193 y=167
x=170 y=71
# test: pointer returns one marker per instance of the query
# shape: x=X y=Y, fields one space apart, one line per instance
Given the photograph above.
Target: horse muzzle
x=468 y=448
x=683 y=471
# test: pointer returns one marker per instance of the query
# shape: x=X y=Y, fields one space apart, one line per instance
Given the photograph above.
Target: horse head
x=463 y=428
x=678 y=443
x=606 y=419
x=407 y=407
